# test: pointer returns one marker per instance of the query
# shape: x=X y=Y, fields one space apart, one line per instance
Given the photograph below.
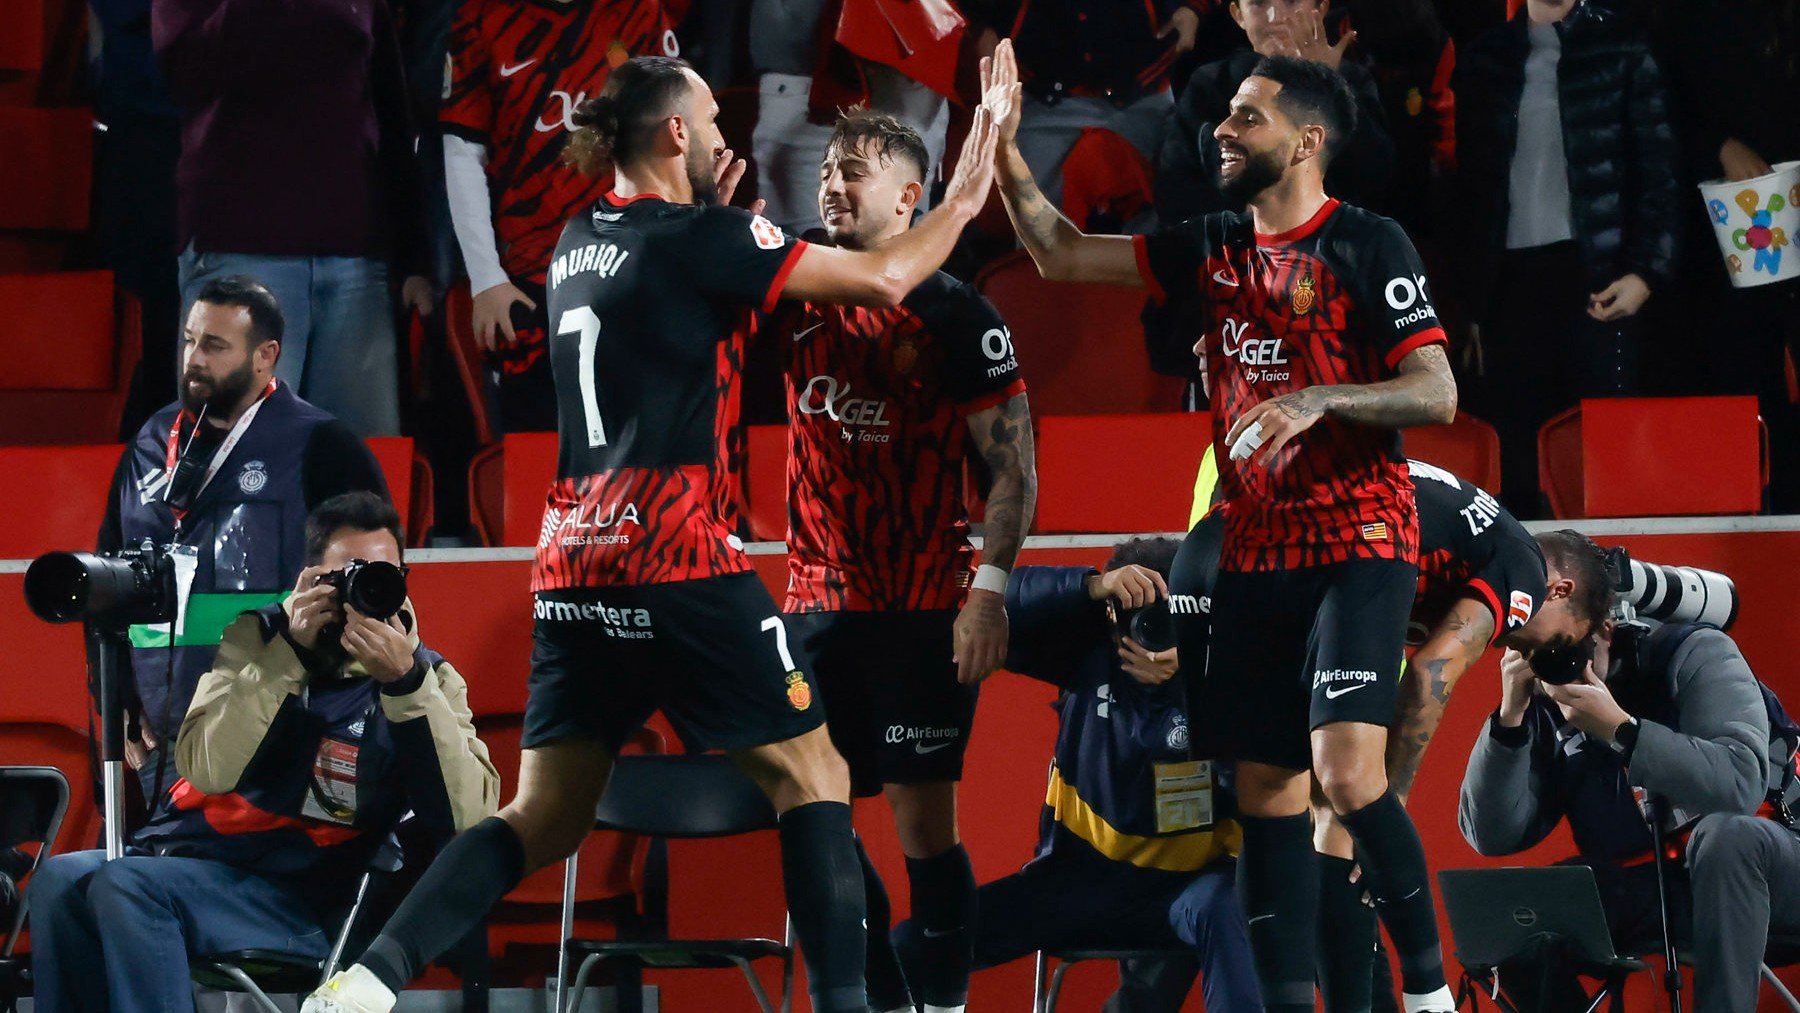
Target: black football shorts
x=1292 y=650
x=714 y=655
x=898 y=715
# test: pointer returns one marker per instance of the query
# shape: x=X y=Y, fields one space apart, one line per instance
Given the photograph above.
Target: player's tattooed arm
x=1003 y=438
x=1061 y=251
x=1454 y=646
x=1423 y=394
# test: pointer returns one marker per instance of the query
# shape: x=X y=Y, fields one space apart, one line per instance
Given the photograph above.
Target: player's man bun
x=612 y=128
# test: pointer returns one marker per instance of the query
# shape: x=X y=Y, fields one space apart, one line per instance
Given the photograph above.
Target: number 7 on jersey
x=584 y=320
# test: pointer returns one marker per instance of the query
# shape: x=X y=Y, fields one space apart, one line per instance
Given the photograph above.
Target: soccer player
x=885 y=405
x=1483 y=580
x=645 y=599
x=516 y=71
x=1322 y=344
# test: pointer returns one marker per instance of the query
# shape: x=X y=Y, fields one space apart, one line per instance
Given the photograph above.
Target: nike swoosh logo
x=509 y=69
x=1259 y=918
x=1333 y=694
x=1224 y=279
x=933 y=934
x=921 y=748
x=801 y=334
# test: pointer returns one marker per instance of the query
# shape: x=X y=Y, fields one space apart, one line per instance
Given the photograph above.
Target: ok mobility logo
x=1403 y=294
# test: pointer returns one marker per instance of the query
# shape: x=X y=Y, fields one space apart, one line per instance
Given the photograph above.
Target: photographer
x=1673 y=712
x=226 y=476
x=1134 y=850
x=316 y=731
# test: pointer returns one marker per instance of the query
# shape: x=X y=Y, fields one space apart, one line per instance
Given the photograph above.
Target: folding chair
x=662 y=797
x=257 y=973
x=33 y=801
x=1045 y=1002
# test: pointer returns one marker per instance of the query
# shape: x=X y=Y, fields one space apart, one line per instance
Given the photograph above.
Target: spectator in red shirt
x=517 y=69
x=297 y=169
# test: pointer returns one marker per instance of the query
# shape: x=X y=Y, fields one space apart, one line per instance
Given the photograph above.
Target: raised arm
x=1061 y=251
x=885 y=275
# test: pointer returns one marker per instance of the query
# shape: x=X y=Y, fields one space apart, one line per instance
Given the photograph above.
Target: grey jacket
x=1712 y=757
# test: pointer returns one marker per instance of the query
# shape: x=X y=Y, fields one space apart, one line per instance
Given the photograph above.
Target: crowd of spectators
x=1543 y=157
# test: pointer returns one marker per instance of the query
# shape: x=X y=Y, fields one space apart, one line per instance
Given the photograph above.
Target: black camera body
x=123 y=588
x=1151 y=626
x=372 y=587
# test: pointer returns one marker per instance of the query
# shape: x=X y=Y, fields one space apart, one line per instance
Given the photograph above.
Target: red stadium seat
x=1108 y=473
x=21 y=35
x=1081 y=347
x=1467 y=447
x=409 y=482
x=1559 y=465
x=507 y=483
x=467 y=354
x=1671 y=456
x=78 y=478
x=1654 y=457
x=767 y=483
x=46 y=177
x=77 y=344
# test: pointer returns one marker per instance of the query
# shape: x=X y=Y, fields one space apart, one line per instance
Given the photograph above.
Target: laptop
x=1499 y=914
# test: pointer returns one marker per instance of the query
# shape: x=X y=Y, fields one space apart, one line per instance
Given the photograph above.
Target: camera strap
x=175 y=450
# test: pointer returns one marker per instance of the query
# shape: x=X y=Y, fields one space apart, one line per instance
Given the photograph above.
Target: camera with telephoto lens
x=123 y=588
x=374 y=588
x=1667 y=594
x=1151 y=626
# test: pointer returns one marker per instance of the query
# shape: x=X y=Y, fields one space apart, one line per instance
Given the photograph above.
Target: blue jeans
x=338 y=345
x=115 y=936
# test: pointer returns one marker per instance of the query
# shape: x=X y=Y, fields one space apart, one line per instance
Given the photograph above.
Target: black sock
x=1346 y=938
x=825 y=899
x=1278 y=884
x=1381 y=991
x=472 y=872
x=943 y=905
x=887 y=982
x=1395 y=870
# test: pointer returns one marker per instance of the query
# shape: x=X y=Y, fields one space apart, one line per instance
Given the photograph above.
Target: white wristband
x=990 y=578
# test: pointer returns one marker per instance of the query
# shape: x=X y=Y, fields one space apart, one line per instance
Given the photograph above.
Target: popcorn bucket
x=1757 y=223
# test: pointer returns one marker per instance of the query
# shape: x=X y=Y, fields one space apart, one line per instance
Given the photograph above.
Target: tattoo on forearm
x=1036 y=219
x=1418 y=396
x=1004 y=439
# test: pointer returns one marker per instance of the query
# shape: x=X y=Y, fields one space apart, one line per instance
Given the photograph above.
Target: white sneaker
x=1440 y=1001
x=352 y=990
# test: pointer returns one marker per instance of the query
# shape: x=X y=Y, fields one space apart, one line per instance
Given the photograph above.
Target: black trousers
x=1542 y=354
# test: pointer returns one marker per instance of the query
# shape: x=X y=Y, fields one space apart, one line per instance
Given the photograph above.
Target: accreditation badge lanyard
x=172 y=455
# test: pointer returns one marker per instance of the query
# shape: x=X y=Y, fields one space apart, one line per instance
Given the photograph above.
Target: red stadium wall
x=477 y=614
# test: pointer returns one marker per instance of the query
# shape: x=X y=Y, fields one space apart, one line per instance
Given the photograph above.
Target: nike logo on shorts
x=921 y=748
x=1333 y=694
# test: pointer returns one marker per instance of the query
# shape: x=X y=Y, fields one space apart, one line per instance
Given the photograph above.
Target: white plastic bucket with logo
x=1757 y=224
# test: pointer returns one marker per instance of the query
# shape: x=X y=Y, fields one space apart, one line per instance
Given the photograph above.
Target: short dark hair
x=256 y=299
x=1151 y=553
x=613 y=127
x=359 y=511
x=1312 y=93
x=887 y=135
x=1575 y=555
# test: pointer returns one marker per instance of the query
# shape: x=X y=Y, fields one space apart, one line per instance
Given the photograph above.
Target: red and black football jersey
x=650 y=306
x=1339 y=300
x=515 y=71
x=1470 y=546
x=878 y=407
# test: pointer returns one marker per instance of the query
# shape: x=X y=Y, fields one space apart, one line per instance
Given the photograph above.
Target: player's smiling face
x=1256 y=142
x=864 y=195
